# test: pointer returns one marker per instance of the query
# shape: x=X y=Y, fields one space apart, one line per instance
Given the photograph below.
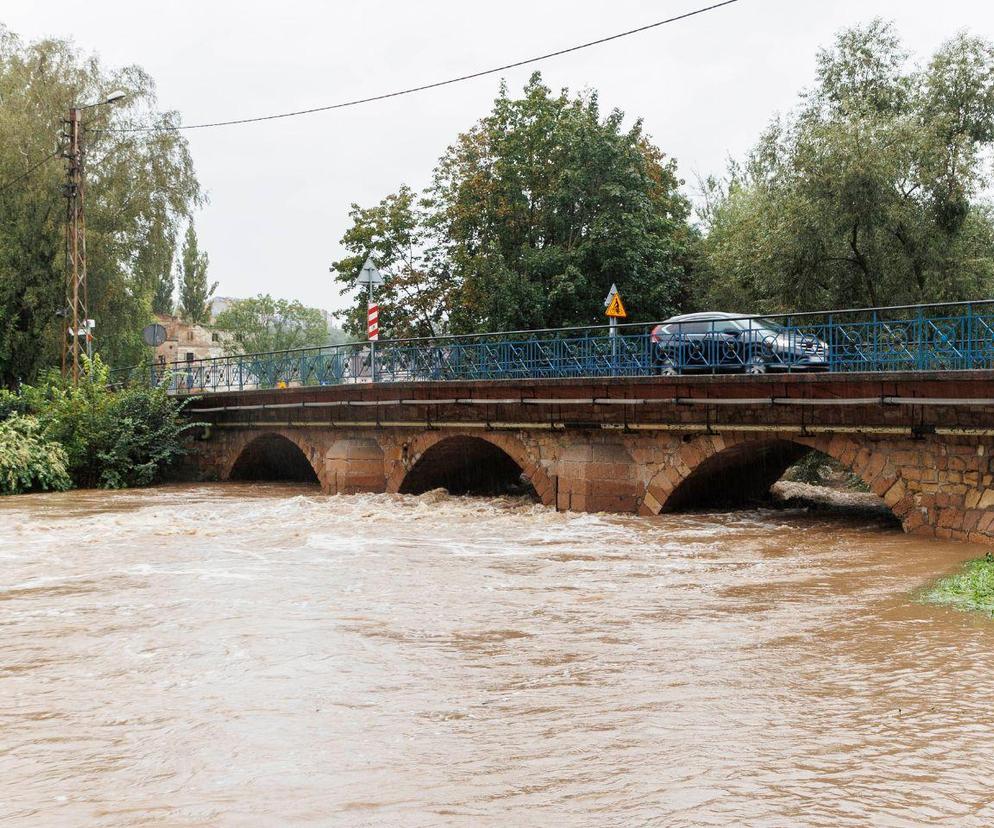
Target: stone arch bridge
x=921 y=441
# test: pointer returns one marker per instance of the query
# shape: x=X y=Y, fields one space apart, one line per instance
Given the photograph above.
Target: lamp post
x=78 y=324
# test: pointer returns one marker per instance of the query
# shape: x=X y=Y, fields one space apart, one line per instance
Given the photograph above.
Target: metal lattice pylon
x=76 y=331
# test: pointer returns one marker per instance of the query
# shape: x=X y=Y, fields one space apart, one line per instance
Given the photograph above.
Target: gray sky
x=280 y=191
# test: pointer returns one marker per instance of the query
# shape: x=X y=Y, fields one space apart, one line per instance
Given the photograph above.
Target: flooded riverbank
x=251 y=654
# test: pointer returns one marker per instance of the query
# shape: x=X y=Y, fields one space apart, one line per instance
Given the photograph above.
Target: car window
x=694 y=326
x=768 y=325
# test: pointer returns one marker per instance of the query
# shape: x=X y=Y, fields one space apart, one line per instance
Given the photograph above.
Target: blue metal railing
x=946 y=336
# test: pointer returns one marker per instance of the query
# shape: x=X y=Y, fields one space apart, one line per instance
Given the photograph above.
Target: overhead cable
x=427 y=86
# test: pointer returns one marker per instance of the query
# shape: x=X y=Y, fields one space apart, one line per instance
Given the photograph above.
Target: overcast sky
x=280 y=191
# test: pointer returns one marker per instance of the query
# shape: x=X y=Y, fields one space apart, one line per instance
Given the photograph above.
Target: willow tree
x=140 y=187
x=870 y=192
x=531 y=215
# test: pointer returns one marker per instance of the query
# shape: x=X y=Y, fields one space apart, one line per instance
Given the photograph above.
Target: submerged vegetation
x=54 y=435
x=972 y=589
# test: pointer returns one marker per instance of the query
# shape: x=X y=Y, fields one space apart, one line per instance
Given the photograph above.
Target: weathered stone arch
x=246 y=440
x=705 y=455
x=510 y=445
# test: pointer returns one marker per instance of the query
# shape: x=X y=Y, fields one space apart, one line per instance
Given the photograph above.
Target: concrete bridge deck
x=920 y=440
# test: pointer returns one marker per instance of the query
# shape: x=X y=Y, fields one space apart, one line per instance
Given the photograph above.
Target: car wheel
x=756 y=365
x=667 y=368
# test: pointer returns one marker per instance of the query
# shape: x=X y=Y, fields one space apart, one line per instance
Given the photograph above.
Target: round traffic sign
x=154 y=335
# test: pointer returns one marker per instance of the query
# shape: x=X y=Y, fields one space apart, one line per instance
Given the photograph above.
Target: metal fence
x=947 y=336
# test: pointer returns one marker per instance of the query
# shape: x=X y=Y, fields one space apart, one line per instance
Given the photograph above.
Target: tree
x=414 y=298
x=263 y=324
x=531 y=215
x=140 y=186
x=194 y=292
x=869 y=193
x=165 y=287
x=154 y=270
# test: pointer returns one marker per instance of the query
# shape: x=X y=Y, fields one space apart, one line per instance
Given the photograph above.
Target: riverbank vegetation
x=971 y=589
x=818 y=469
x=54 y=435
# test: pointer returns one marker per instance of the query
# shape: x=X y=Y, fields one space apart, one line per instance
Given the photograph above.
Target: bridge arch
x=468 y=463
x=723 y=469
x=273 y=456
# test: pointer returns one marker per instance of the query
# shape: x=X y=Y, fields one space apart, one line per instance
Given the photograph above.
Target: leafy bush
x=10 y=404
x=143 y=436
x=110 y=439
x=28 y=460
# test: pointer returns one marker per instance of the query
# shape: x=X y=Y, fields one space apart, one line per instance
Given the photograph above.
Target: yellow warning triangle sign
x=615 y=308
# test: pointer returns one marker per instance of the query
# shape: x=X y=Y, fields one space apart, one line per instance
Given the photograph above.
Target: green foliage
x=415 y=296
x=194 y=291
x=109 y=439
x=139 y=187
x=869 y=193
x=10 y=404
x=971 y=590
x=264 y=324
x=29 y=461
x=531 y=215
x=154 y=266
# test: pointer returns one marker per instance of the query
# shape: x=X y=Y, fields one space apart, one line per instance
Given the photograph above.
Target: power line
x=28 y=171
x=436 y=84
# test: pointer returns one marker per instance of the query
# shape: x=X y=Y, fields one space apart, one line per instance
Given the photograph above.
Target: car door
x=718 y=343
x=692 y=342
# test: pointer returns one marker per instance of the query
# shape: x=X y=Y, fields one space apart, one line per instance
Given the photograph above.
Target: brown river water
x=257 y=655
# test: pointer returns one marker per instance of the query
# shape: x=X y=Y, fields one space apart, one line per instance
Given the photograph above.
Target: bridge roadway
x=922 y=441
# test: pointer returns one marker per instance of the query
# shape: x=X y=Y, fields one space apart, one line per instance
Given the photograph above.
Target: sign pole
x=615 y=310
x=372 y=342
x=372 y=277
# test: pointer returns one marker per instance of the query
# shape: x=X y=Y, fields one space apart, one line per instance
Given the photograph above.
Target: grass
x=972 y=589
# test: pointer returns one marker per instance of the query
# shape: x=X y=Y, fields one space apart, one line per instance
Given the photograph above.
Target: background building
x=186 y=342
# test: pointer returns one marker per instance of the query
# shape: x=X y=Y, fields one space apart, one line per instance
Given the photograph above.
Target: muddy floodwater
x=258 y=655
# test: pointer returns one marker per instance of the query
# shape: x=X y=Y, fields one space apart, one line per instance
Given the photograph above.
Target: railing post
x=875 y=327
x=969 y=336
x=830 y=338
x=920 y=339
x=794 y=341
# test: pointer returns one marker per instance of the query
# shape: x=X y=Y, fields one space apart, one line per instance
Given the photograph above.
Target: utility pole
x=76 y=323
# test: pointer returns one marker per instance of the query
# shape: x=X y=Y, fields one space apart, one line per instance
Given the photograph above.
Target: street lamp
x=113 y=97
x=78 y=323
